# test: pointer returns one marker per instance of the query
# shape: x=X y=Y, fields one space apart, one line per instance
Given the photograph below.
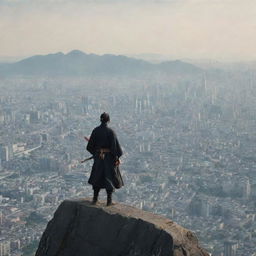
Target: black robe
x=105 y=173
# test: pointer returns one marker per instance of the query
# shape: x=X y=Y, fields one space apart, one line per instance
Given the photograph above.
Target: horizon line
x=150 y=57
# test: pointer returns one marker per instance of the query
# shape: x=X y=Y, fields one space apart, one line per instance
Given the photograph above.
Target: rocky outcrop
x=81 y=229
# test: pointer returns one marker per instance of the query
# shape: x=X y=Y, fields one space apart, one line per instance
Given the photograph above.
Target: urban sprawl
x=188 y=142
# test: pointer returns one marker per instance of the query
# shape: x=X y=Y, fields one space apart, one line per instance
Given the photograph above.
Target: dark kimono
x=105 y=173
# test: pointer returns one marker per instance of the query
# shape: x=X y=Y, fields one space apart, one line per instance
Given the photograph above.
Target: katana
x=87 y=159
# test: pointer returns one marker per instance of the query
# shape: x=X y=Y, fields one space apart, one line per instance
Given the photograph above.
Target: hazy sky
x=214 y=29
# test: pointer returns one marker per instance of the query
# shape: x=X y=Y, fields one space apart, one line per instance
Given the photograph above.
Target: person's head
x=104 y=118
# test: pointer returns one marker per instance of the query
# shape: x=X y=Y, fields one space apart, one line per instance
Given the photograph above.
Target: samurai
x=106 y=151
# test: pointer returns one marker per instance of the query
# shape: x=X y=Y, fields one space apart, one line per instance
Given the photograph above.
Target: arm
x=91 y=143
x=118 y=149
x=115 y=147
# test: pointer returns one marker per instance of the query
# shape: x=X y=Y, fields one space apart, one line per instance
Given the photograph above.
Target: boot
x=95 y=196
x=109 y=198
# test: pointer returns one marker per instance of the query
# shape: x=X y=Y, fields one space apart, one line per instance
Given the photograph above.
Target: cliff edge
x=81 y=229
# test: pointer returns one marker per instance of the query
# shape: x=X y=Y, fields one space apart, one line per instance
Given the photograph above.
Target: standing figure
x=104 y=146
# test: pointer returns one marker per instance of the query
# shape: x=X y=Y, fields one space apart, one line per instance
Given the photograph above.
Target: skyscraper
x=4 y=152
x=230 y=248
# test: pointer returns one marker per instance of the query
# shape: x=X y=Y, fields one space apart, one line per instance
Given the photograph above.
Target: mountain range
x=78 y=63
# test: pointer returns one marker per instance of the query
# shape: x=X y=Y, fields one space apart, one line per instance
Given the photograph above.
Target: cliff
x=81 y=229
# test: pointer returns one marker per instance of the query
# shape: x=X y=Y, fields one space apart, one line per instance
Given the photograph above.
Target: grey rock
x=81 y=229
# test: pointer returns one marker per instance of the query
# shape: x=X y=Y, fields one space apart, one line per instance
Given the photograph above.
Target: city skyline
x=188 y=143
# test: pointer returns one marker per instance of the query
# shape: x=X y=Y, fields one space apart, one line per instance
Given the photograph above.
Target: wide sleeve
x=119 y=151
x=91 y=143
x=115 y=147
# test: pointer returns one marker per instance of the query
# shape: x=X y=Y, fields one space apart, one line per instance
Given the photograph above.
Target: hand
x=117 y=163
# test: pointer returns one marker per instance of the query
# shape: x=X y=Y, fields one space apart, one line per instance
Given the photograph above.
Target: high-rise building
x=44 y=137
x=5 y=248
x=4 y=152
x=1 y=218
x=247 y=189
x=230 y=248
x=1 y=118
x=10 y=151
x=34 y=116
x=253 y=190
x=205 y=208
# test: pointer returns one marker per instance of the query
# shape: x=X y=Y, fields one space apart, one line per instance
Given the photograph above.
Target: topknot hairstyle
x=104 y=117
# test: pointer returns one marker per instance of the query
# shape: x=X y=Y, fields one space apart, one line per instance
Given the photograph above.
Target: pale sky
x=198 y=29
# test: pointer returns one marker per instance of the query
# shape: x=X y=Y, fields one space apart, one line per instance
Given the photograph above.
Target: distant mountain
x=77 y=63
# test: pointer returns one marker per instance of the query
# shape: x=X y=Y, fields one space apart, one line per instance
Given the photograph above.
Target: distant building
x=4 y=153
x=49 y=164
x=27 y=119
x=230 y=248
x=200 y=207
x=9 y=116
x=15 y=245
x=1 y=118
x=85 y=104
x=253 y=190
x=205 y=208
x=44 y=137
x=44 y=163
x=10 y=151
x=5 y=248
x=1 y=218
x=34 y=116
x=247 y=189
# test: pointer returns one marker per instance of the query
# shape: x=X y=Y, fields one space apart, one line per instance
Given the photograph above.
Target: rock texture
x=80 y=229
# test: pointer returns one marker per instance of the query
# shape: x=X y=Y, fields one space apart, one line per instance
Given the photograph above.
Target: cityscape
x=189 y=143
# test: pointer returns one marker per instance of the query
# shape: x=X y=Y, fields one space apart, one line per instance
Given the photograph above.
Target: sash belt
x=102 y=152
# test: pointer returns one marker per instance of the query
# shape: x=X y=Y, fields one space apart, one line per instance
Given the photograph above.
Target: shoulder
x=111 y=131
x=96 y=129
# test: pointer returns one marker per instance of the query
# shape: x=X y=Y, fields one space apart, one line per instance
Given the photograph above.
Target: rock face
x=81 y=229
